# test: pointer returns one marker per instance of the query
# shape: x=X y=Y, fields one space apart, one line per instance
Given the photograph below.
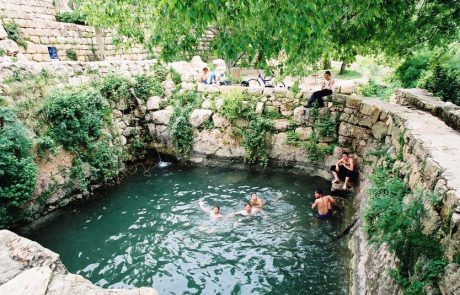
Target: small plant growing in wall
x=71 y=54
x=15 y=34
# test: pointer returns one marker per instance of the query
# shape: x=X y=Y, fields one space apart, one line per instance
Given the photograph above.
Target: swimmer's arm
x=203 y=206
x=313 y=205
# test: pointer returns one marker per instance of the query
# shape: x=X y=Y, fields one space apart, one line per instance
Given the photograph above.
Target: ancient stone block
x=281 y=124
x=162 y=116
x=153 y=103
x=199 y=116
x=220 y=121
x=379 y=130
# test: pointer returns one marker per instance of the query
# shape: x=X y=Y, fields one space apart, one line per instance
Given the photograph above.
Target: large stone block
x=153 y=103
x=9 y=46
x=162 y=116
x=220 y=121
x=199 y=116
x=281 y=124
x=379 y=130
x=3 y=34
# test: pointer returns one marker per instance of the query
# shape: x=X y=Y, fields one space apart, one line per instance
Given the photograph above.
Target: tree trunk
x=342 y=68
x=326 y=63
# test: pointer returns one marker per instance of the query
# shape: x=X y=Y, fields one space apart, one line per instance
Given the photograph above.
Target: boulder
x=220 y=121
x=153 y=103
x=280 y=150
x=3 y=34
x=199 y=116
x=379 y=130
x=299 y=115
x=162 y=116
x=10 y=47
x=281 y=124
x=260 y=107
x=304 y=133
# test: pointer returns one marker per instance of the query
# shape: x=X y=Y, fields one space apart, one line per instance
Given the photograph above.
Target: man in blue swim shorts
x=323 y=203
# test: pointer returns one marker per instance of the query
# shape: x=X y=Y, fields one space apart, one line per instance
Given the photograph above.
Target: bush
x=18 y=171
x=232 y=108
x=410 y=71
x=255 y=141
x=146 y=86
x=73 y=16
x=443 y=82
x=15 y=34
x=115 y=88
x=71 y=54
x=75 y=119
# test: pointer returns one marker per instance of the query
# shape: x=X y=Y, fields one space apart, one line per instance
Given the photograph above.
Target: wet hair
x=247 y=204
x=216 y=206
x=205 y=69
x=346 y=153
x=319 y=191
x=328 y=73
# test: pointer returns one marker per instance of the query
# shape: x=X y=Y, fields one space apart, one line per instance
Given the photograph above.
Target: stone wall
x=422 y=100
x=37 y=21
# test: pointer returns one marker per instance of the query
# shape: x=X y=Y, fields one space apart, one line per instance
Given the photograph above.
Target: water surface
x=150 y=231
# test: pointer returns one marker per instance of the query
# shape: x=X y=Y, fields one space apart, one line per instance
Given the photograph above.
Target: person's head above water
x=216 y=209
x=248 y=208
x=254 y=197
x=318 y=193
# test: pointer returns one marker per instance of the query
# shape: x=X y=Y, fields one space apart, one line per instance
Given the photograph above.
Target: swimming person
x=344 y=169
x=256 y=201
x=323 y=203
x=248 y=210
x=213 y=213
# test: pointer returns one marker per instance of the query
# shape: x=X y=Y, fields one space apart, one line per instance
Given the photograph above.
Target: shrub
x=146 y=86
x=18 y=171
x=181 y=130
x=75 y=119
x=115 y=88
x=175 y=76
x=444 y=82
x=232 y=108
x=71 y=54
x=2 y=52
x=160 y=72
x=73 y=16
x=15 y=34
x=412 y=69
x=255 y=141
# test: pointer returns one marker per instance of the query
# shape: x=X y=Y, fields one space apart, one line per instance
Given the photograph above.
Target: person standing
x=323 y=203
x=326 y=89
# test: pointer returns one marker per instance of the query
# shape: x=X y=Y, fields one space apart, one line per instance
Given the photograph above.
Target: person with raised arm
x=213 y=213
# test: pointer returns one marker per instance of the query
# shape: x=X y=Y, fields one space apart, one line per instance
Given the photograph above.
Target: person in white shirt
x=326 y=89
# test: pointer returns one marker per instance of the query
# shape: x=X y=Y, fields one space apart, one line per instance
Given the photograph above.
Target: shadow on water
x=150 y=231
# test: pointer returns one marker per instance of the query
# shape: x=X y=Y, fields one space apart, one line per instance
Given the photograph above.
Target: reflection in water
x=150 y=231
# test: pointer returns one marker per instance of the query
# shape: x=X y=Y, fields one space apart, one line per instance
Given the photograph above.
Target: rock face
x=27 y=268
x=198 y=117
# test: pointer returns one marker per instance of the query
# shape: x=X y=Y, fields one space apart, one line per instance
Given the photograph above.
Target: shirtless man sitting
x=344 y=169
x=213 y=213
x=256 y=201
x=324 y=204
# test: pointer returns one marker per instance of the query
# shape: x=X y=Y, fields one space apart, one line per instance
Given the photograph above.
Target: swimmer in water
x=213 y=213
x=248 y=210
x=256 y=201
x=323 y=203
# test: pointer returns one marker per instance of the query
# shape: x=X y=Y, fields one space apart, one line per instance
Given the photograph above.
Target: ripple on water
x=150 y=231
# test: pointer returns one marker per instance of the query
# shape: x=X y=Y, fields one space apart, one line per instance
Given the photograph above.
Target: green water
x=150 y=231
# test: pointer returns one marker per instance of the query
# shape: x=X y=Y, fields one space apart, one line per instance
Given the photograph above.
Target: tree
x=297 y=32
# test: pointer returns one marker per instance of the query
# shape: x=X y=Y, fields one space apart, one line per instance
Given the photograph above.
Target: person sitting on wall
x=208 y=77
x=256 y=201
x=326 y=89
x=344 y=169
x=213 y=213
x=324 y=204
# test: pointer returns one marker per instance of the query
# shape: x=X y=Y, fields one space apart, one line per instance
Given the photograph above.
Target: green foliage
x=106 y=160
x=394 y=217
x=444 y=82
x=317 y=151
x=292 y=138
x=18 y=171
x=146 y=86
x=2 y=52
x=255 y=138
x=272 y=113
x=15 y=34
x=412 y=69
x=175 y=76
x=161 y=73
x=115 y=88
x=346 y=28
x=76 y=118
x=45 y=143
x=232 y=108
x=181 y=129
x=74 y=17
x=327 y=127
x=374 y=89
x=209 y=124
x=295 y=88
x=71 y=54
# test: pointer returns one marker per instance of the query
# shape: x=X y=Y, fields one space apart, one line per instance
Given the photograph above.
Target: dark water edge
x=207 y=265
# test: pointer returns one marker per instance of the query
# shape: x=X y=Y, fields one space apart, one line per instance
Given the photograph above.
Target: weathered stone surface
x=199 y=116
x=3 y=34
x=379 y=130
x=280 y=150
x=260 y=108
x=299 y=115
x=216 y=143
x=304 y=132
x=162 y=116
x=220 y=121
x=450 y=281
x=153 y=103
x=353 y=102
x=10 y=47
x=281 y=124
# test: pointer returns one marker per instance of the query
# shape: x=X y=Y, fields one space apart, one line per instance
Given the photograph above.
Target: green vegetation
x=373 y=89
x=71 y=54
x=181 y=129
x=232 y=108
x=15 y=34
x=146 y=86
x=115 y=88
x=443 y=82
x=255 y=138
x=2 y=52
x=175 y=77
x=394 y=216
x=74 y=16
x=18 y=171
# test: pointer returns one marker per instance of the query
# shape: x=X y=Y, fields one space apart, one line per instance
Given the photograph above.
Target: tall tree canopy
x=300 y=31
